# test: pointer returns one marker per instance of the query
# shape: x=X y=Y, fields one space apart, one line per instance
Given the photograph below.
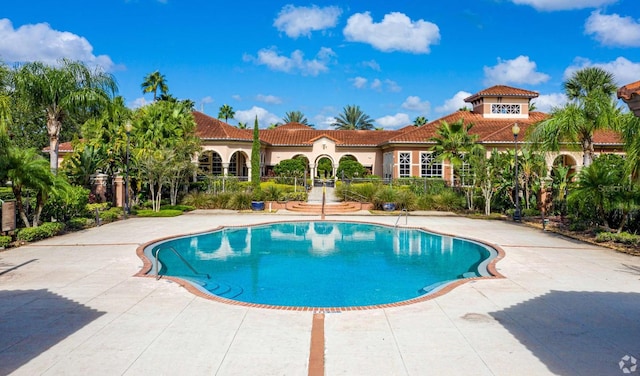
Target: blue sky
x=395 y=59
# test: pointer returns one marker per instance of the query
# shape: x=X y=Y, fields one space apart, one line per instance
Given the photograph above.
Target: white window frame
x=427 y=167
x=404 y=166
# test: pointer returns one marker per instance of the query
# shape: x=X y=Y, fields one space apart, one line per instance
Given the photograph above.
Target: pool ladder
x=406 y=217
x=181 y=258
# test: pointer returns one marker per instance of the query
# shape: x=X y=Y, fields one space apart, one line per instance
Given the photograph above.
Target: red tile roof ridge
x=629 y=90
x=503 y=91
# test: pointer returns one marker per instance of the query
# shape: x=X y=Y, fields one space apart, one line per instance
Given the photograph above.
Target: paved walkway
x=71 y=305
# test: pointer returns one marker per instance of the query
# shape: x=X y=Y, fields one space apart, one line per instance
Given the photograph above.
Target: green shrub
x=623 y=238
x=272 y=193
x=240 y=201
x=199 y=200
x=182 y=208
x=110 y=215
x=530 y=212
x=161 y=213
x=45 y=230
x=296 y=196
x=6 y=194
x=79 y=223
x=447 y=200
x=67 y=203
x=100 y=206
x=406 y=200
x=5 y=241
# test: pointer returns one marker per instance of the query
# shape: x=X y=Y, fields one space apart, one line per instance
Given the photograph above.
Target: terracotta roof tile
x=502 y=91
x=489 y=130
x=210 y=128
x=293 y=126
x=628 y=91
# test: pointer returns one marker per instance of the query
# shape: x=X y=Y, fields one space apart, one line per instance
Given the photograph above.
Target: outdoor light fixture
x=516 y=130
x=127 y=127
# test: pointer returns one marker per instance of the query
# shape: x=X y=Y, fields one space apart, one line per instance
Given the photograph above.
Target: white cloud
x=517 y=71
x=297 y=21
x=359 y=82
x=265 y=118
x=394 y=121
x=455 y=103
x=613 y=30
x=271 y=99
x=206 y=100
x=551 y=5
x=623 y=70
x=546 y=102
x=396 y=32
x=376 y=84
x=413 y=103
x=237 y=97
x=39 y=42
x=294 y=63
x=139 y=102
x=371 y=64
x=392 y=86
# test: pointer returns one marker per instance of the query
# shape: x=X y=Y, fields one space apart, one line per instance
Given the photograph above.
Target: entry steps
x=329 y=208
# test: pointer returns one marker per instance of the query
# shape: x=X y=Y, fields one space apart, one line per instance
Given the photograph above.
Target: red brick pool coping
x=316 y=350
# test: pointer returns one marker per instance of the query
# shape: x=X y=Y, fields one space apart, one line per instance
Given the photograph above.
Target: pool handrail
x=406 y=217
x=180 y=257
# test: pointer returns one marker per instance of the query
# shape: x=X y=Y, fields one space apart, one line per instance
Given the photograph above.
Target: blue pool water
x=320 y=264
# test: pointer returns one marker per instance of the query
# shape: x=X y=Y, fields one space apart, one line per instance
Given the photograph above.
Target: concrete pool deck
x=72 y=305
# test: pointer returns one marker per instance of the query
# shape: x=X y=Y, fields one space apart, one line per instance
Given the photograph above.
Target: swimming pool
x=319 y=263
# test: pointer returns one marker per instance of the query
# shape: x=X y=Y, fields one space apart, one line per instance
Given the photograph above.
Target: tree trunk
x=39 y=207
x=17 y=192
x=53 y=130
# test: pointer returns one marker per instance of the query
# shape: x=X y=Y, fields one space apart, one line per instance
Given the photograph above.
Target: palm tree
x=61 y=92
x=420 y=121
x=226 y=112
x=353 y=118
x=153 y=82
x=27 y=169
x=295 y=117
x=242 y=125
x=452 y=143
x=629 y=132
x=591 y=107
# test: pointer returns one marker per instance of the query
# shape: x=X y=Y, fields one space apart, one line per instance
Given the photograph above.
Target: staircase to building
x=332 y=204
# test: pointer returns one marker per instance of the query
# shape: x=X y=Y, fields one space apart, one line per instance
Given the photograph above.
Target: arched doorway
x=210 y=163
x=238 y=166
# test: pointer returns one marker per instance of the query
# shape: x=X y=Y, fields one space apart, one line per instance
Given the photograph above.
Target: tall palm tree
x=153 y=82
x=452 y=143
x=226 y=112
x=420 y=121
x=629 y=132
x=591 y=107
x=353 y=118
x=62 y=91
x=295 y=117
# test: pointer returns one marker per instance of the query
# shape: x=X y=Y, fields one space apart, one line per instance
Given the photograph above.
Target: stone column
x=99 y=186
x=118 y=191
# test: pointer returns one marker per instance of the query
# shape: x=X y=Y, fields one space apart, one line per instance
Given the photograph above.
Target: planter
x=388 y=206
x=257 y=205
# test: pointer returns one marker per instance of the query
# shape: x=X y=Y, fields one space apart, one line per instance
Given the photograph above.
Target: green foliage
x=240 y=201
x=273 y=193
x=385 y=195
x=530 y=212
x=290 y=167
x=79 y=223
x=352 y=117
x=161 y=213
x=6 y=194
x=351 y=169
x=110 y=215
x=101 y=206
x=296 y=196
x=45 y=230
x=406 y=200
x=182 y=208
x=623 y=238
x=447 y=200
x=199 y=200
x=67 y=203
x=5 y=241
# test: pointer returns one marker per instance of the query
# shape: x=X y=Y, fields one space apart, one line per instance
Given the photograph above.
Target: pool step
x=224 y=290
x=332 y=208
